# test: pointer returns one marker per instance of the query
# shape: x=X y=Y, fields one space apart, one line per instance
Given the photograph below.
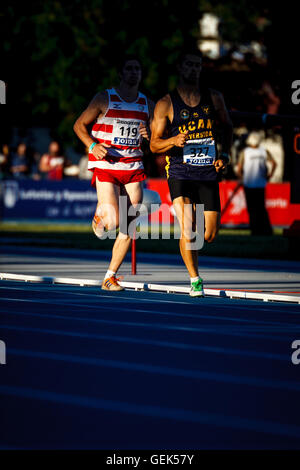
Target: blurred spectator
x=53 y=163
x=84 y=173
x=240 y=133
x=4 y=161
x=271 y=101
x=19 y=165
x=34 y=166
x=273 y=142
x=253 y=171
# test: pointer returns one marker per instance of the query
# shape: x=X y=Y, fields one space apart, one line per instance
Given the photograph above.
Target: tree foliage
x=58 y=54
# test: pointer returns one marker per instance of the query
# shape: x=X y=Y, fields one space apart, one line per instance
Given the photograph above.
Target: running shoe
x=197 y=288
x=112 y=284
x=98 y=226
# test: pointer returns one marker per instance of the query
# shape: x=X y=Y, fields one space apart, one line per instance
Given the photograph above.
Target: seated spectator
x=53 y=163
x=19 y=165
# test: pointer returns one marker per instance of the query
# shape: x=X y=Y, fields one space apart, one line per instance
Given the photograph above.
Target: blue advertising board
x=50 y=200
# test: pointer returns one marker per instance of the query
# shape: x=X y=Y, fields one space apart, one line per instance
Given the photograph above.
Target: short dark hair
x=189 y=51
x=125 y=59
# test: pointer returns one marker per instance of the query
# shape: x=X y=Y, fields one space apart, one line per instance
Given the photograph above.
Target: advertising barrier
x=51 y=200
x=76 y=200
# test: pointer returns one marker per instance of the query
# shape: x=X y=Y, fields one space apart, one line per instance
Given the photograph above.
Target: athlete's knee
x=210 y=235
x=110 y=222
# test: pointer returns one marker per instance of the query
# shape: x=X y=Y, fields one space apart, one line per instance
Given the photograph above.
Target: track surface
x=88 y=369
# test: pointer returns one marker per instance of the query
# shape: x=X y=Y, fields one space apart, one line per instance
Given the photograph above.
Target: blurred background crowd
x=24 y=161
x=64 y=53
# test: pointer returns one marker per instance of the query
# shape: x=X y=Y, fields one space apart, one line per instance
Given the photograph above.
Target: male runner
x=191 y=115
x=120 y=116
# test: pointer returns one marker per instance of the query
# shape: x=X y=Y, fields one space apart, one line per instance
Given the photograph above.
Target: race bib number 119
x=126 y=133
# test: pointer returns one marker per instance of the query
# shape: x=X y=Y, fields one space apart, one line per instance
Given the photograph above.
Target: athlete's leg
x=134 y=195
x=212 y=225
x=185 y=215
x=108 y=203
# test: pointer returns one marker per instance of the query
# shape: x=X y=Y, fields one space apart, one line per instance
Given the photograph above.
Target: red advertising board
x=233 y=203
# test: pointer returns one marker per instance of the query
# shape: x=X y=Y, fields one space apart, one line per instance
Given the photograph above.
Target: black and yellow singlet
x=195 y=160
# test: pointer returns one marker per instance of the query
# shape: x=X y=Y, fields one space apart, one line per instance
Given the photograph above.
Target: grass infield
x=230 y=242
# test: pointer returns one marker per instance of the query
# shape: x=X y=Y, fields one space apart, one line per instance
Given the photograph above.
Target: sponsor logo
x=125 y=141
x=205 y=109
x=184 y=114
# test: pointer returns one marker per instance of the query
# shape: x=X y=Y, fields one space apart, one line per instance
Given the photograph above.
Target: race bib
x=126 y=133
x=200 y=152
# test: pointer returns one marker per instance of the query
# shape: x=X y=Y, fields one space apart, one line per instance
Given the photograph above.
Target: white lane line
x=162 y=288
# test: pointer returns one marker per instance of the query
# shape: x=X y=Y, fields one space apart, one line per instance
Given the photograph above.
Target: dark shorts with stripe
x=201 y=192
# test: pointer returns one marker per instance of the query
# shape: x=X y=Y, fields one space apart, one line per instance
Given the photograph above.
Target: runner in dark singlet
x=191 y=115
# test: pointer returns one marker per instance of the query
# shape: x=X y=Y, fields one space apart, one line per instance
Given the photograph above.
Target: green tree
x=58 y=54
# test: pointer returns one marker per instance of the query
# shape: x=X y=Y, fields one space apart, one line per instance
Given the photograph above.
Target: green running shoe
x=197 y=288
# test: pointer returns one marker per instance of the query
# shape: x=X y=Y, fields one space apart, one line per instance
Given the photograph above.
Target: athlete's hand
x=180 y=139
x=220 y=165
x=100 y=150
x=144 y=131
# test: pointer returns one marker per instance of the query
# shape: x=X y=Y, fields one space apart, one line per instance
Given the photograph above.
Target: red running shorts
x=118 y=177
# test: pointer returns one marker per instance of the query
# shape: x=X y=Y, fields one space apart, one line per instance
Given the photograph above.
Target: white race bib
x=126 y=132
x=199 y=152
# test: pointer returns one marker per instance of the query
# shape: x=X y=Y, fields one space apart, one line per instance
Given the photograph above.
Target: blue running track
x=87 y=369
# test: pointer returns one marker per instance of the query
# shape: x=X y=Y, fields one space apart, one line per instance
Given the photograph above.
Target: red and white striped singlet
x=119 y=127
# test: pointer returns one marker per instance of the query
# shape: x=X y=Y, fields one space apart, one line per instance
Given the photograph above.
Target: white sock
x=194 y=279
x=109 y=274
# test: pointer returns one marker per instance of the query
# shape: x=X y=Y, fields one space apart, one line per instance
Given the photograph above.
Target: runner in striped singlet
x=121 y=117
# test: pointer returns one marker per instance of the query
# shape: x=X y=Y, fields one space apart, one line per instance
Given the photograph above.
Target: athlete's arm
x=96 y=108
x=159 y=144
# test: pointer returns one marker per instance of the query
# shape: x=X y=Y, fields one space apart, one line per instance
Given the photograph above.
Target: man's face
x=131 y=73
x=190 y=68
